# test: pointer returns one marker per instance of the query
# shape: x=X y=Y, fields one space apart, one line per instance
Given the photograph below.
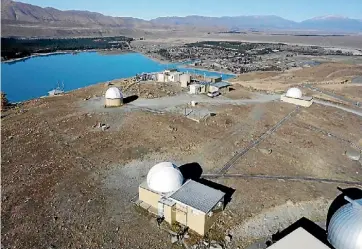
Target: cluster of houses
x=196 y=85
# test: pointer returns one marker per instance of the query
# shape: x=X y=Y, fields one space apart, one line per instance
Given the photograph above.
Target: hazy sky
x=296 y=10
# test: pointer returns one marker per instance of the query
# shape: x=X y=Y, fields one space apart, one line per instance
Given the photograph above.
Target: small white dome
x=294 y=92
x=164 y=177
x=114 y=93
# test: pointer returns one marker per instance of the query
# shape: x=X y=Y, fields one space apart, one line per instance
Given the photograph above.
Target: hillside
x=20 y=19
x=237 y=22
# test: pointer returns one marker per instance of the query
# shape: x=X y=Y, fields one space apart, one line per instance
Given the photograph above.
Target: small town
x=237 y=57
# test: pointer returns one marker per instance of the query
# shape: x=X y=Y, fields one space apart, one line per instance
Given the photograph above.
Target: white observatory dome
x=345 y=227
x=164 y=177
x=294 y=93
x=114 y=93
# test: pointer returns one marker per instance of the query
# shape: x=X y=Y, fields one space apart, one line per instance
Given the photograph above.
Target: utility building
x=191 y=204
x=174 y=76
x=294 y=96
x=185 y=80
x=195 y=89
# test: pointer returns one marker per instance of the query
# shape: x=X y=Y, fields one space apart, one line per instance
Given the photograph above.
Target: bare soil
x=68 y=184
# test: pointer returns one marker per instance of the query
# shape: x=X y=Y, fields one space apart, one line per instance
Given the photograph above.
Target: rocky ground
x=67 y=183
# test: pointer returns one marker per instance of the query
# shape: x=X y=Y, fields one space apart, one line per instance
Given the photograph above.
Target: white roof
x=299 y=239
x=294 y=92
x=164 y=177
x=198 y=196
x=114 y=93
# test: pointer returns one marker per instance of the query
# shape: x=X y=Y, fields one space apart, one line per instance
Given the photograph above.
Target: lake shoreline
x=60 y=52
x=114 y=52
x=85 y=69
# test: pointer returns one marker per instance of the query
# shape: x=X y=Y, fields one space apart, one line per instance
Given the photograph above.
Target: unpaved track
x=359 y=113
x=183 y=99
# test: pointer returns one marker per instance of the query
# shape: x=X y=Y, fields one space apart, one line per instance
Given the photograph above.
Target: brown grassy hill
x=20 y=19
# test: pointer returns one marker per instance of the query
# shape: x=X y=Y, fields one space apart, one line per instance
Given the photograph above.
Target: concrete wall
x=185 y=80
x=114 y=102
x=204 y=88
x=195 y=89
x=174 y=77
x=196 y=221
x=301 y=102
x=148 y=197
x=190 y=217
x=160 y=77
x=181 y=214
x=169 y=213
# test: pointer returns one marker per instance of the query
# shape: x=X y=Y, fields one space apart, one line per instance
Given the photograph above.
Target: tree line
x=17 y=48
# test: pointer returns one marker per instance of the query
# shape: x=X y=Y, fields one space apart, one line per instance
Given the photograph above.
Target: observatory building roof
x=294 y=93
x=345 y=227
x=198 y=196
x=113 y=93
x=164 y=177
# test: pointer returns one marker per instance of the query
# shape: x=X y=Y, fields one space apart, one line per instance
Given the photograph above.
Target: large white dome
x=294 y=92
x=345 y=226
x=114 y=93
x=164 y=177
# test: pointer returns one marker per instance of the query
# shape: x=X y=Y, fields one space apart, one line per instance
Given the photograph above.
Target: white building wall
x=195 y=89
x=160 y=77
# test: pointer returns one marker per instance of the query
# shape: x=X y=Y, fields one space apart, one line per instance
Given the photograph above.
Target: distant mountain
x=20 y=19
x=334 y=23
x=326 y=23
x=21 y=12
x=237 y=22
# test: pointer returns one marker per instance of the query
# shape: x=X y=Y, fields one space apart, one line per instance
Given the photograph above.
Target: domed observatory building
x=344 y=231
x=192 y=204
x=114 y=97
x=345 y=226
x=294 y=96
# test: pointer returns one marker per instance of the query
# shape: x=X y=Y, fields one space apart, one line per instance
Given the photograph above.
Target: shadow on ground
x=191 y=171
x=130 y=99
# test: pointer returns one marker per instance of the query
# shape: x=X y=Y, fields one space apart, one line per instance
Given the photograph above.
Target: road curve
x=359 y=113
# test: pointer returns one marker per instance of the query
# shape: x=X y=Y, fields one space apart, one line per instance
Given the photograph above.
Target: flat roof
x=198 y=196
x=299 y=239
x=221 y=84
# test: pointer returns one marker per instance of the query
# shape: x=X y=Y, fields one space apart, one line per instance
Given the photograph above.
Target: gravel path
x=182 y=99
x=338 y=106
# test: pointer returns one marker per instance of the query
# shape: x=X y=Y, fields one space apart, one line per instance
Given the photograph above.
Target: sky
x=296 y=10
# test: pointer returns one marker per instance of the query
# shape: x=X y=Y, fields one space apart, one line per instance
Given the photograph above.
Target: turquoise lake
x=34 y=77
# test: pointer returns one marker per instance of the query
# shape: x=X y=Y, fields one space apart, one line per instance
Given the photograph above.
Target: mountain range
x=267 y=22
x=20 y=19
